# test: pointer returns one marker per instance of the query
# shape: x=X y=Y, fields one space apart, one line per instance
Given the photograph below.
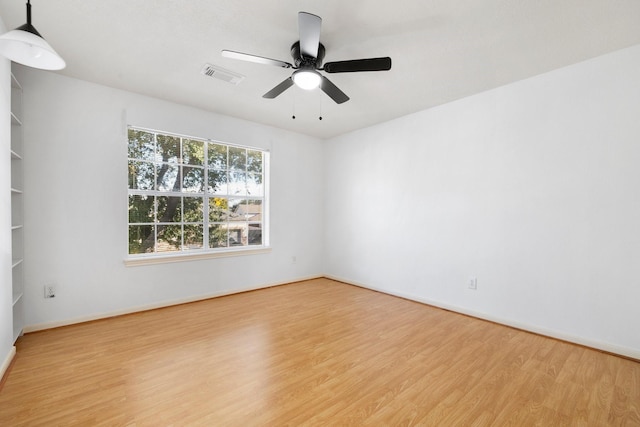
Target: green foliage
x=168 y=148
x=254 y=161
x=138 y=235
x=141 y=145
x=192 y=152
x=218 y=156
x=237 y=159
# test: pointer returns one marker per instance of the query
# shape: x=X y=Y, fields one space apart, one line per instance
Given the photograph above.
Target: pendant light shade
x=26 y=46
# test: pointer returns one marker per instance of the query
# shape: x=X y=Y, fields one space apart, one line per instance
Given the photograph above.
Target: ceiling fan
x=308 y=54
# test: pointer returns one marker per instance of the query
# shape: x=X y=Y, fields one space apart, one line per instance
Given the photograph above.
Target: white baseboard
x=7 y=361
x=130 y=310
x=598 y=345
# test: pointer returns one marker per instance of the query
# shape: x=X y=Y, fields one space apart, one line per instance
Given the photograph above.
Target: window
x=189 y=195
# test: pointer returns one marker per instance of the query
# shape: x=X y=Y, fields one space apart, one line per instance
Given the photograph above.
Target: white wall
x=533 y=187
x=76 y=203
x=6 y=311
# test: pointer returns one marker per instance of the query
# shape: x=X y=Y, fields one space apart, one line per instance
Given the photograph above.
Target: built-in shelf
x=15 y=84
x=18 y=313
x=17 y=236
x=16 y=298
x=15 y=120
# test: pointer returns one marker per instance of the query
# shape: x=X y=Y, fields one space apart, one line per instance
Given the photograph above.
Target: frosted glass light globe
x=307 y=79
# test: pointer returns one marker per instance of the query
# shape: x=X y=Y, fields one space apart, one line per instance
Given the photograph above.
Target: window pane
x=141 y=209
x=254 y=161
x=169 y=238
x=254 y=185
x=192 y=152
x=217 y=182
x=237 y=183
x=237 y=208
x=141 y=175
x=255 y=234
x=193 y=209
x=218 y=209
x=169 y=209
x=217 y=156
x=253 y=210
x=141 y=145
x=193 y=236
x=168 y=149
x=237 y=159
x=141 y=239
x=192 y=179
x=218 y=236
x=238 y=234
x=167 y=177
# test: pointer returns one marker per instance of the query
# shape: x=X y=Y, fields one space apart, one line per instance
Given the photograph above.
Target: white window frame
x=205 y=252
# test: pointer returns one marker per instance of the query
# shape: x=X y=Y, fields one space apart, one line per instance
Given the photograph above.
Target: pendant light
x=26 y=46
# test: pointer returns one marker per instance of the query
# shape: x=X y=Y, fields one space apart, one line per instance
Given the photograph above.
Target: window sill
x=181 y=257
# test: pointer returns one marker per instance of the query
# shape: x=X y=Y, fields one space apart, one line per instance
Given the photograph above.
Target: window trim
x=150 y=259
x=209 y=253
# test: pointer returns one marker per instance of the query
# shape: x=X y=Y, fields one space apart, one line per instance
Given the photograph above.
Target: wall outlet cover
x=49 y=291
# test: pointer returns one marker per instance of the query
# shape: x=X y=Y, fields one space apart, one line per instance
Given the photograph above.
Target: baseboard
x=6 y=364
x=586 y=342
x=154 y=306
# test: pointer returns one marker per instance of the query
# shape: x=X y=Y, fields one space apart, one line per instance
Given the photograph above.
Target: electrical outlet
x=473 y=283
x=49 y=291
x=294 y=259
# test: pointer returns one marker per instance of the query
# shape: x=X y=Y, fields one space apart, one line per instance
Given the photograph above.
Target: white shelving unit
x=17 y=229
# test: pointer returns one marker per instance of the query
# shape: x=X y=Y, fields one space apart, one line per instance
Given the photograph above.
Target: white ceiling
x=442 y=50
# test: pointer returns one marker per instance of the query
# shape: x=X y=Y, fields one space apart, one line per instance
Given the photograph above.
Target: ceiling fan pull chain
x=293 y=105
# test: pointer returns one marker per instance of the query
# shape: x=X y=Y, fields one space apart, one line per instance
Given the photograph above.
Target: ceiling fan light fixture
x=308 y=54
x=26 y=46
x=307 y=79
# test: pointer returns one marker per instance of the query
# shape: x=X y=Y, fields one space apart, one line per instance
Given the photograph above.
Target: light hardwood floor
x=311 y=353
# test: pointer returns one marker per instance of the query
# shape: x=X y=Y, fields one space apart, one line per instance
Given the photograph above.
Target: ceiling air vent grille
x=222 y=74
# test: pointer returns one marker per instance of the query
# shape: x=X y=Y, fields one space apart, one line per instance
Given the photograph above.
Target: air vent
x=222 y=74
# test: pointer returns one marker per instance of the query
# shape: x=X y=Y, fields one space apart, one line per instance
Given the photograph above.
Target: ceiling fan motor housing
x=302 y=61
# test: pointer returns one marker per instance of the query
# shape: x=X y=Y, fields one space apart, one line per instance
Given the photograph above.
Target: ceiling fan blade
x=286 y=84
x=309 y=29
x=371 y=64
x=253 y=58
x=333 y=91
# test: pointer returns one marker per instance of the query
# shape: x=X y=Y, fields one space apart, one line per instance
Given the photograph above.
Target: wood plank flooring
x=313 y=353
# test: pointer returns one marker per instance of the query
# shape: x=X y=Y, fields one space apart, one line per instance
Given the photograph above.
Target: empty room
x=302 y=213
